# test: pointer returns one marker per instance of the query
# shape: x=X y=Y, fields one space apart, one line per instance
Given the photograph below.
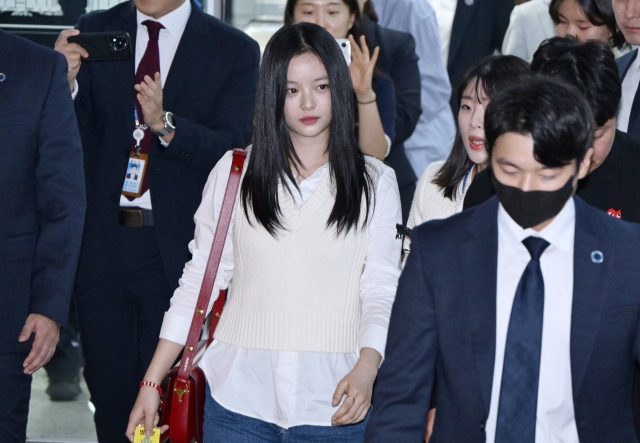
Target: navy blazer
x=478 y=30
x=444 y=321
x=399 y=61
x=41 y=176
x=624 y=63
x=211 y=91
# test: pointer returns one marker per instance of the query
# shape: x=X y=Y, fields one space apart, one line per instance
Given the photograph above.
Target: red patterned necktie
x=149 y=65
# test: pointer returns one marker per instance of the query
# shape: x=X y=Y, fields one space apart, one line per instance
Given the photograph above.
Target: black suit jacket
x=612 y=187
x=624 y=63
x=211 y=91
x=43 y=203
x=478 y=31
x=444 y=320
x=399 y=61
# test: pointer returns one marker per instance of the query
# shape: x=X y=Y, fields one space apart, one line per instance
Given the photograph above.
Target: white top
x=287 y=388
x=445 y=13
x=629 y=88
x=168 y=40
x=436 y=130
x=428 y=201
x=530 y=24
x=555 y=413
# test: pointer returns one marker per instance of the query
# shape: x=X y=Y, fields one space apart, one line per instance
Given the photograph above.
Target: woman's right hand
x=362 y=66
x=145 y=410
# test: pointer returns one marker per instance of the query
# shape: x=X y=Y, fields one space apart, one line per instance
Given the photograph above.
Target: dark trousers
x=14 y=405
x=120 y=319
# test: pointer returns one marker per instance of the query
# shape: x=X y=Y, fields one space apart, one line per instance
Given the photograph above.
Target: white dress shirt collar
x=173 y=22
x=511 y=234
x=629 y=88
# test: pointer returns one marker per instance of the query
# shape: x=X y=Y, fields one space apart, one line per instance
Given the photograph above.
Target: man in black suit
x=627 y=13
x=41 y=218
x=188 y=94
x=526 y=306
x=469 y=31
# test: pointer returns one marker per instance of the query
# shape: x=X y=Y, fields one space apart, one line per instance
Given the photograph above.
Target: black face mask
x=532 y=207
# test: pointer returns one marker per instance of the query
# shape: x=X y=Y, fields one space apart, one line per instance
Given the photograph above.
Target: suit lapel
x=479 y=261
x=8 y=63
x=195 y=35
x=589 y=289
x=124 y=73
x=461 y=21
x=624 y=63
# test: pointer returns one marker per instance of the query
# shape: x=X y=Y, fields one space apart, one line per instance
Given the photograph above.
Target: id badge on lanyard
x=137 y=166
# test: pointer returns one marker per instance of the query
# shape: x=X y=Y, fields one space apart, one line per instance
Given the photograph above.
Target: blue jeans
x=224 y=426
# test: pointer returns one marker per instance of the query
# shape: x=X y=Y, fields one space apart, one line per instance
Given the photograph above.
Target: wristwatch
x=169 y=125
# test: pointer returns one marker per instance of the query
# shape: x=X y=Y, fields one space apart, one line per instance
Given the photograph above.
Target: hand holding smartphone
x=104 y=46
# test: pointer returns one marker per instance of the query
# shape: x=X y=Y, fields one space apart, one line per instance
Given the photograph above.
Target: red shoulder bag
x=182 y=405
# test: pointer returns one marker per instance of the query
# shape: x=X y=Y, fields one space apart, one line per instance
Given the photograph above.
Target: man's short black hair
x=590 y=66
x=552 y=111
x=134 y=166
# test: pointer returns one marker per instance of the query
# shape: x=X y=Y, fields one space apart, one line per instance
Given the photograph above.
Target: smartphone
x=138 y=436
x=104 y=46
x=345 y=46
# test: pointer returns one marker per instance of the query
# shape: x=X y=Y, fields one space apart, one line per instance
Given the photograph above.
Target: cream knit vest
x=299 y=291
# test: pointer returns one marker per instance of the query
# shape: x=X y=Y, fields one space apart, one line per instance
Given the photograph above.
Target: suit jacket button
x=482 y=426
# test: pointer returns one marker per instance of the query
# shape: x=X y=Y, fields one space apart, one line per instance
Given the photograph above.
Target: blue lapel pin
x=2 y=77
x=597 y=257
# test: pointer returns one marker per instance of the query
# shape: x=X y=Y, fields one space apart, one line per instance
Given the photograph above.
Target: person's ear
x=352 y=20
x=583 y=170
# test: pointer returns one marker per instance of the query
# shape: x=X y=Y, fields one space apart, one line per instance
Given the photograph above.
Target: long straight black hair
x=273 y=153
x=493 y=73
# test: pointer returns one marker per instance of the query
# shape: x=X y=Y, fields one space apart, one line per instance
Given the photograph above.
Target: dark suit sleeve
x=203 y=146
x=405 y=381
x=60 y=201
x=386 y=102
x=406 y=80
x=480 y=190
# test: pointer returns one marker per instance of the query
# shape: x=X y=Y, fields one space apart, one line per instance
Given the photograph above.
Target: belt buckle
x=136 y=218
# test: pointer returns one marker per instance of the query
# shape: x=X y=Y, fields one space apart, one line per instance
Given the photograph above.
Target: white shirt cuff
x=74 y=94
x=386 y=137
x=373 y=337
x=175 y=328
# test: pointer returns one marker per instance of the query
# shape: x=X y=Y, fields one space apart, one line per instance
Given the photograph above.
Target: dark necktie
x=633 y=116
x=521 y=370
x=149 y=65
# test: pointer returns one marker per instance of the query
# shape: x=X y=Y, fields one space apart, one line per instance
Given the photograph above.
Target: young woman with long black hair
x=442 y=186
x=374 y=90
x=313 y=257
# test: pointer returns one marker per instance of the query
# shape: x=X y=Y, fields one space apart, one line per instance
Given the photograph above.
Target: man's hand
x=72 y=52
x=150 y=98
x=47 y=334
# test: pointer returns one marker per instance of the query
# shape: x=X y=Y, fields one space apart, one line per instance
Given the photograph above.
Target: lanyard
x=135 y=116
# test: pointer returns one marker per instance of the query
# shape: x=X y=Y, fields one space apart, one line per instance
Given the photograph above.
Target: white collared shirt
x=174 y=24
x=629 y=88
x=281 y=387
x=555 y=413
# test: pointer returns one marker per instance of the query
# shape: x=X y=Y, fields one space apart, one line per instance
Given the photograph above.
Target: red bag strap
x=211 y=270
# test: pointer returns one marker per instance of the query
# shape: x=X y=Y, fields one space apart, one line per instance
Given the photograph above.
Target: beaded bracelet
x=151 y=385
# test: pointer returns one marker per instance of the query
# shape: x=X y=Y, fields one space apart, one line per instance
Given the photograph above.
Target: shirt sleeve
x=177 y=320
x=379 y=279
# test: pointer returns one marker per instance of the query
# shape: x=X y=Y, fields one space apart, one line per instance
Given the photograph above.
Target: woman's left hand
x=356 y=388
x=362 y=67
